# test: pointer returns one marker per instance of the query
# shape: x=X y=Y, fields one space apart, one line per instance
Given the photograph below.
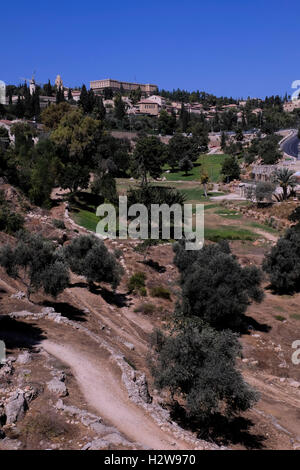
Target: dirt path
x=105 y=393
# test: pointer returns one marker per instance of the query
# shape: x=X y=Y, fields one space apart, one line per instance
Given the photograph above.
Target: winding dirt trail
x=105 y=393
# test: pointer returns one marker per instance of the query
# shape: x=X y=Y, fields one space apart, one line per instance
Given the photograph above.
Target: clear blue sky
x=226 y=47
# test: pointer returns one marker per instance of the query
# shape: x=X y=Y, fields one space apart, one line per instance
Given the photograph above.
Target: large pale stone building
x=99 y=85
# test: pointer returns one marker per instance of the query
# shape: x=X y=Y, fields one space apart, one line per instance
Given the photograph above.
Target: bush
x=198 y=365
x=10 y=222
x=38 y=263
x=137 y=282
x=59 y=224
x=161 y=292
x=146 y=308
x=215 y=287
x=88 y=256
x=283 y=263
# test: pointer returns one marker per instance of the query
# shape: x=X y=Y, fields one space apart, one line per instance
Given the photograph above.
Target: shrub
x=215 y=287
x=283 y=263
x=137 y=282
x=88 y=256
x=38 y=263
x=198 y=364
x=143 y=291
x=10 y=222
x=279 y=317
x=161 y=292
x=59 y=224
x=146 y=308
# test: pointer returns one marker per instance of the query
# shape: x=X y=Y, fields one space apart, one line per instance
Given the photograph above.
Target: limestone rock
x=24 y=358
x=16 y=407
x=58 y=387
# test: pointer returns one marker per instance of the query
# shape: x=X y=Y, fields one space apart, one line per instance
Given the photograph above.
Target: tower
x=32 y=86
x=59 y=83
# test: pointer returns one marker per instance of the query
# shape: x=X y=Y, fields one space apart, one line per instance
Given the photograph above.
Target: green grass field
x=228 y=233
x=86 y=219
x=228 y=213
x=197 y=194
x=210 y=164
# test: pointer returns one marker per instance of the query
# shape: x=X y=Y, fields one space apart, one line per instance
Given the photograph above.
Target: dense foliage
x=215 y=287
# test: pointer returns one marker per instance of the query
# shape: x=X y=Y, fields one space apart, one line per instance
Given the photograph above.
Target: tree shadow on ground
x=82 y=285
x=85 y=201
x=220 y=430
x=154 y=265
x=110 y=297
x=17 y=334
x=250 y=324
x=67 y=310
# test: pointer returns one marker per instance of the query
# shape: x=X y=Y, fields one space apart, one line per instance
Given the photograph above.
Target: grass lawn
x=211 y=164
x=228 y=213
x=228 y=233
x=264 y=227
x=86 y=219
x=197 y=194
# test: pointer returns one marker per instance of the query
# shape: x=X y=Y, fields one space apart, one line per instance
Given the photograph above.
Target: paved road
x=290 y=146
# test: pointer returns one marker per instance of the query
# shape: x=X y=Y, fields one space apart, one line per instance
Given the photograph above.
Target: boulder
x=16 y=407
x=58 y=387
x=24 y=358
x=142 y=385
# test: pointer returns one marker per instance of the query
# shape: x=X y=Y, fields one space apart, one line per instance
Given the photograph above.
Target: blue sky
x=229 y=47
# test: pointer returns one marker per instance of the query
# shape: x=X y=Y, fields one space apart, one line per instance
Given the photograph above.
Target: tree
x=76 y=138
x=184 y=118
x=37 y=263
x=60 y=96
x=215 y=287
x=204 y=178
x=230 y=169
x=108 y=94
x=48 y=89
x=105 y=186
x=185 y=165
x=120 y=108
x=99 y=111
x=111 y=149
x=197 y=364
x=239 y=136
x=19 y=108
x=200 y=138
x=166 y=123
x=295 y=216
x=264 y=191
x=267 y=149
x=10 y=221
x=283 y=263
x=286 y=180
x=84 y=99
x=88 y=256
x=181 y=147
x=45 y=168
x=52 y=115
x=148 y=158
